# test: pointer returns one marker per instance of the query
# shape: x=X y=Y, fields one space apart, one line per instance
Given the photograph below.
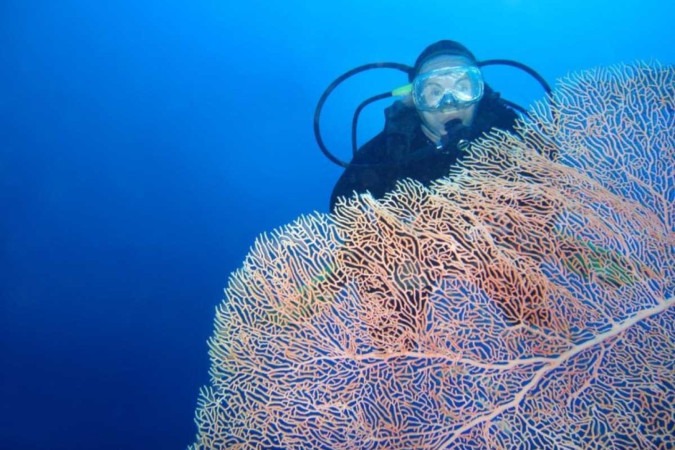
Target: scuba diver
x=445 y=106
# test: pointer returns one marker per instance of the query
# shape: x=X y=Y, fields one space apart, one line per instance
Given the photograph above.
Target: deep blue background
x=144 y=146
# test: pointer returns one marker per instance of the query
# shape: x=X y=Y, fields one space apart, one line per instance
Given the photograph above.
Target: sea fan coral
x=521 y=302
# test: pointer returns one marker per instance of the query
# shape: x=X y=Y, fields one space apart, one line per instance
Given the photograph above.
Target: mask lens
x=432 y=93
x=455 y=87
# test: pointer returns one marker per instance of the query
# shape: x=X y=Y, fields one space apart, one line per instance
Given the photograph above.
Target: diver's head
x=446 y=85
x=444 y=47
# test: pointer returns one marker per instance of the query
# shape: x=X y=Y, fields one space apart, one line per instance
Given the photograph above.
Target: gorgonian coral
x=522 y=302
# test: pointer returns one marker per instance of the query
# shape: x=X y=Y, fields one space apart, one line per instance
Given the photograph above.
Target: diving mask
x=447 y=88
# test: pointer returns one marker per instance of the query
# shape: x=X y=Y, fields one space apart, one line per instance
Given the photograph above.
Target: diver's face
x=435 y=121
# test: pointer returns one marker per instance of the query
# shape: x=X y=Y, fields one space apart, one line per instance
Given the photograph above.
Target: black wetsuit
x=402 y=150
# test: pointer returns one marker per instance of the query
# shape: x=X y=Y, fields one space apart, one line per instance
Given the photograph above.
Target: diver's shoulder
x=400 y=109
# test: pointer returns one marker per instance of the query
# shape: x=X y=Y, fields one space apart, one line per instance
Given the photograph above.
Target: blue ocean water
x=144 y=146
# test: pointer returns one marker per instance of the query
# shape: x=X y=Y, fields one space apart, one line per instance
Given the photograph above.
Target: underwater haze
x=145 y=144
